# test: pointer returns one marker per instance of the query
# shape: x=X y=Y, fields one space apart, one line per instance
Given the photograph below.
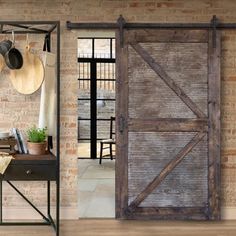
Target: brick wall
x=133 y=11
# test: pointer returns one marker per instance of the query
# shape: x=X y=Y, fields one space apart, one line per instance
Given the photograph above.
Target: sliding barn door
x=168 y=124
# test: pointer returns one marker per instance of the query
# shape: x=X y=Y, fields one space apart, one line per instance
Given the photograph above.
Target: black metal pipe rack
x=46 y=28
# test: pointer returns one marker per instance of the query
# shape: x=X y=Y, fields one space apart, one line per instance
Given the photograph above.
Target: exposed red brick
x=169 y=4
x=228 y=152
x=71 y=151
x=188 y=11
x=150 y=4
x=134 y=4
x=72 y=125
x=230 y=78
x=224 y=159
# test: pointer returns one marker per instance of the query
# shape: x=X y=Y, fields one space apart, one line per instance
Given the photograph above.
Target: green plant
x=36 y=135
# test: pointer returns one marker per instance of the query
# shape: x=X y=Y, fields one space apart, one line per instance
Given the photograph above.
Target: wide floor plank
x=129 y=228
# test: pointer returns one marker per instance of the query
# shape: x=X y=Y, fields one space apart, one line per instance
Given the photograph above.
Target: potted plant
x=37 y=140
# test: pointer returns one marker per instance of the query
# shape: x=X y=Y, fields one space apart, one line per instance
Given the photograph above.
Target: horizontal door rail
x=168 y=125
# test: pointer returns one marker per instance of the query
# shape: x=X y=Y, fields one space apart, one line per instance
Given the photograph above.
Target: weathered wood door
x=168 y=124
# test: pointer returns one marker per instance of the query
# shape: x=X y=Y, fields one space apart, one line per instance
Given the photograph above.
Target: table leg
x=57 y=208
x=49 y=197
x=0 y=201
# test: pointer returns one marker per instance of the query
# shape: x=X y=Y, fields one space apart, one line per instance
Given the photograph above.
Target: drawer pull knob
x=29 y=172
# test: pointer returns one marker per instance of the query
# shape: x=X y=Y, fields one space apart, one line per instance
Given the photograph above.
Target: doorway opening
x=96 y=109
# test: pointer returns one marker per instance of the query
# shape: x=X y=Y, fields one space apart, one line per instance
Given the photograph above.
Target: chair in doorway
x=108 y=143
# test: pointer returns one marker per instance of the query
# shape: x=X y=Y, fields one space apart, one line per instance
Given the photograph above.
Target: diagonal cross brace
x=169 y=81
x=166 y=171
x=29 y=202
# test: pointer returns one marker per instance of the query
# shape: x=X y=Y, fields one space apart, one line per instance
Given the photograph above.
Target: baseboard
x=71 y=213
x=27 y=213
x=228 y=213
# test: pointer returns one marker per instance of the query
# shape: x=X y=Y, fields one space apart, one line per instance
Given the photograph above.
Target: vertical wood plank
x=121 y=132
x=214 y=83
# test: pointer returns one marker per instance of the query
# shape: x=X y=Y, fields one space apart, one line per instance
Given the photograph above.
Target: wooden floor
x=126 y=228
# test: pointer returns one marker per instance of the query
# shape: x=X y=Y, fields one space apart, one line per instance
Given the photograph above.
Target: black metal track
x=95 y=25
x=71 y=25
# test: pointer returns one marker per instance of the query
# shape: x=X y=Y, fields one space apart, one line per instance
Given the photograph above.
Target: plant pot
x=37 y=148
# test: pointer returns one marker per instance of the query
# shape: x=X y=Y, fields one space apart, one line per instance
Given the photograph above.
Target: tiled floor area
x=96 y=189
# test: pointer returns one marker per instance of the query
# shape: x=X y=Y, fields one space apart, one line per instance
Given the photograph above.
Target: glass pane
x=105 y=94
x=84 y=94
x=105 y=109
x=113 y=48
x=102 y=48
x=83 y=129
x=85 y=48
x=105 y=71
x=84 y=105
x=84 y=109
x=83 y=149
x=103 y=129
x=83 y=69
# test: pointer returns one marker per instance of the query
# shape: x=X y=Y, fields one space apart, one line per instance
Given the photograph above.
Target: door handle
x=29 y=172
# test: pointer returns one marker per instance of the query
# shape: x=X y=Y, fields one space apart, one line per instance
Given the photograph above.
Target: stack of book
x=20 y=142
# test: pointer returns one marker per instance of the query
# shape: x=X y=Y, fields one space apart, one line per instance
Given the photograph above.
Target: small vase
x=37 y=148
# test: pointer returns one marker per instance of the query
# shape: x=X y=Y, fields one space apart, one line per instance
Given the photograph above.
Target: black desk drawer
x=30 y=172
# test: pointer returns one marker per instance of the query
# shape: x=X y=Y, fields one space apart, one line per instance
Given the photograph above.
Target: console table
x=30 y=168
